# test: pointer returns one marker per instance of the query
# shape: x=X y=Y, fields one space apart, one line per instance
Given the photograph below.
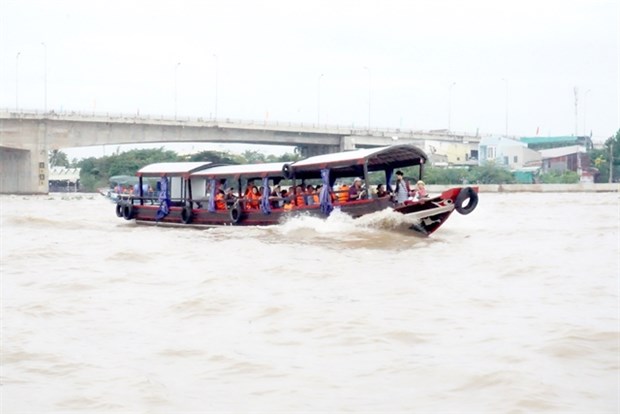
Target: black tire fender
x=186 y=215
x=128 y=211
x=119 y=210
x=287 y=171
x=235 y=213
x=465 y=194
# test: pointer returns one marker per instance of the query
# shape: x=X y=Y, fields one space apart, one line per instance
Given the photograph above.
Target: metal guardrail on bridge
x=310 y=127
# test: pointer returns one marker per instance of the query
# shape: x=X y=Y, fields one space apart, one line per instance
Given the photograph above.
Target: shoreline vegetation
x=95 y=173
x=539 y=188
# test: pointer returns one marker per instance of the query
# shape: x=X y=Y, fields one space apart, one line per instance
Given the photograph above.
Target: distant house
x=507 y=152
x=571 y=158
x=541 y=143
x=452 y=153
x=63 y=179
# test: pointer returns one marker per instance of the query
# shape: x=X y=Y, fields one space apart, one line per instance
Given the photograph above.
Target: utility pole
x=17 y=81
x=576 y=91
x=611 y=162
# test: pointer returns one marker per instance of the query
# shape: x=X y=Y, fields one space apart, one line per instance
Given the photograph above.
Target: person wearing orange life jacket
x=312 y=197
x=343 y=193
x=248 y=189
x=220 y=202
x=253 y=198
x=300 y=200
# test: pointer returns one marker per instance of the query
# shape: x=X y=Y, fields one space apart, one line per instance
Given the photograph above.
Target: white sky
x=523 y=58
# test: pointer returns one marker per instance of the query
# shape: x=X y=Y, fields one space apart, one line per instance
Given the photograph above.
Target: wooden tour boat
x=201 y=193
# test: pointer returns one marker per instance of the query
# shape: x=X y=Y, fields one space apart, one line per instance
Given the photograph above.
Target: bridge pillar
x=347 y=143
x=23 y=159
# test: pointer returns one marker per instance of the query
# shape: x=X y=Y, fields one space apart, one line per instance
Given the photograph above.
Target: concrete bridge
x=26 y=137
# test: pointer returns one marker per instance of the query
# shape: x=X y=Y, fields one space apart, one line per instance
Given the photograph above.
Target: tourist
x=253 y=199
x=299 y=197
x=220 y=199
x=343 y=193
x=274 y=197
x=421 y=190
x=312 y=197
x=381 y=191
x=355 y=191
x=402 y=188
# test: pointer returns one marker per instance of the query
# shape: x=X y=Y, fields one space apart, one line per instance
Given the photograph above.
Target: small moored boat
x=201 y=193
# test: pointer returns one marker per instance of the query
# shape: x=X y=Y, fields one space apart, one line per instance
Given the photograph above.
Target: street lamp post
x=450 y=104
x=506 y=117
x=369 y=89
x=585 y=101
x=318 y=102
x=176 y=67
x=17 y=81
x=215 y=56
x=44 y=76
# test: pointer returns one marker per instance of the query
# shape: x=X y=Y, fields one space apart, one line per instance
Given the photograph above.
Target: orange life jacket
x=343 y=195
x=253 y=201
x=300 y=200
x=220 y=204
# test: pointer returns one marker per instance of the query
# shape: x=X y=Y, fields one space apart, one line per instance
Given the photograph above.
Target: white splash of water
x=336 y=223
x=387 y=219
x=342 y=223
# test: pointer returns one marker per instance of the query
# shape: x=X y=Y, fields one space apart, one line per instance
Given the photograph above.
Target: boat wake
x=371 y=230
x=386 y=219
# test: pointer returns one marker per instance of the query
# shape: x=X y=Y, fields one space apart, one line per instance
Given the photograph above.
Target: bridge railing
x=231 y=122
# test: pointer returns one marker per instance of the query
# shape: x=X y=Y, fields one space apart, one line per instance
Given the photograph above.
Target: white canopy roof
x=172 y=168
x=393 y=156
x=244 y=170
x=64 y=174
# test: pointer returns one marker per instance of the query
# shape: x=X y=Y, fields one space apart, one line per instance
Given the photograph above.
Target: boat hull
x=429 y=214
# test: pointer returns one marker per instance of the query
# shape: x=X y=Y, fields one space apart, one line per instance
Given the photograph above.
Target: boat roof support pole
x=388 y=178
x=140 y=191
x=189 y=191
x=367 y=181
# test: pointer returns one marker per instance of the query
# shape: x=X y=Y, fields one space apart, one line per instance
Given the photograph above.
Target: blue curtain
x=324 y=196
x=388 y=178
x=211 y=206
x=264 y=200
x=164 y=199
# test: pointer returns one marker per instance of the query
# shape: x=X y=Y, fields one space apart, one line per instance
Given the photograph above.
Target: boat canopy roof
x=272 y=169
x=123 y=179
x=172 y=168
x=341 y=164
x=348 y=164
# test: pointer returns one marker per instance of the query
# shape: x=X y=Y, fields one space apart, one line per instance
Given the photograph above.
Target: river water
x=511 y=309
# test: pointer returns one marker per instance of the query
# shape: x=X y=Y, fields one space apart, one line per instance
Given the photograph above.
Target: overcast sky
x=419 y=64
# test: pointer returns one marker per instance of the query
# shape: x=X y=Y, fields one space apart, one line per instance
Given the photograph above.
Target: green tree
x=95 y=172
x=490 y=173
x=436 y=175
x=559 y=177
x=606 y=158
x=58 y=158
x=288 y=157
x=253 y=157
x=216 y=157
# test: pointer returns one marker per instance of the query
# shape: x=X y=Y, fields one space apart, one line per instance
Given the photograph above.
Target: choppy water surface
x=513 y=308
